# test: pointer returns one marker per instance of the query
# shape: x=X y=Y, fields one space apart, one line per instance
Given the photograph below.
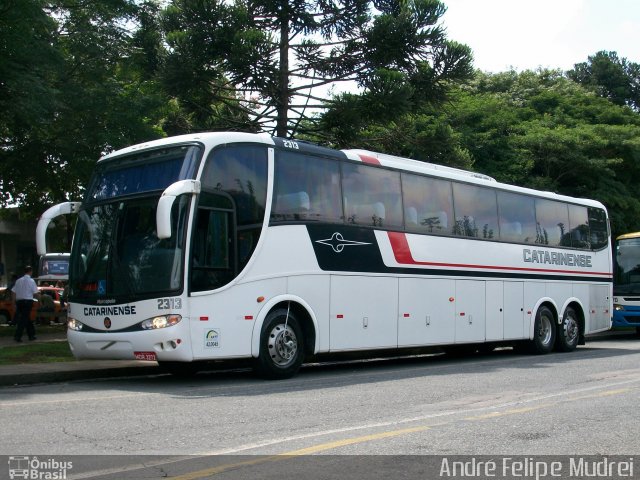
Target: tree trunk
x=283 y=80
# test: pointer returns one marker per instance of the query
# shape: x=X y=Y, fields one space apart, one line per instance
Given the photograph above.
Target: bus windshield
x=627 y=271
x=116 y=252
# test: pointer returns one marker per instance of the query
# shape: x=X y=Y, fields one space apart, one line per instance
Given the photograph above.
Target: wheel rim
x=283 y=345
x=570 y=326
x=545 y=330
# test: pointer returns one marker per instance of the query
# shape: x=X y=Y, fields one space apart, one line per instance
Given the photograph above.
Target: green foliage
x=542 y=130
x=83 y=97
x=611 y=77
x=79 y=79
x=266 y=60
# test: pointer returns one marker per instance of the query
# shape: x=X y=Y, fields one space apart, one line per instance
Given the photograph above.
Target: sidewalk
x=30 y=373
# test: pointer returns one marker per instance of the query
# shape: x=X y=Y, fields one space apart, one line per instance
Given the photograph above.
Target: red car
x=47 y=309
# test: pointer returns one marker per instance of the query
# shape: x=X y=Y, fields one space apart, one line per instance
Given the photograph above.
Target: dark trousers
x=23 y=312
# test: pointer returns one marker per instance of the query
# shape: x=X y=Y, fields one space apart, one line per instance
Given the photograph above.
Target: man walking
x=24 y=292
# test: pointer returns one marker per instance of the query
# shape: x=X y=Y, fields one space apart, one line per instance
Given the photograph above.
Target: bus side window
x=598 y=230
x=428 y=205
x=579 y=224
x=307 y=188
x=240 y=171
x=372 y=196
x=476 y=211
x=552 y=223
x=517 y=215
x=211 y=258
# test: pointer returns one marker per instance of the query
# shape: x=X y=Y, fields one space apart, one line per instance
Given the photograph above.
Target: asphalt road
x=581 y=403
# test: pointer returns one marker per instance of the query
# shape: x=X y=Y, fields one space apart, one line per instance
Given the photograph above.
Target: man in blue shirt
x=25 y=292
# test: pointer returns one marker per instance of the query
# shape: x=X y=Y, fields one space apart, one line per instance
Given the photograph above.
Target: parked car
x=48 y=309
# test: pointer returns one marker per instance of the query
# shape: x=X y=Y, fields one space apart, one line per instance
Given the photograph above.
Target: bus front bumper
x=626 y=316
x=163 y=345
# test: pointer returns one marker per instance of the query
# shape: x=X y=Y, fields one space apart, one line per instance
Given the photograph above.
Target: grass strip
x=35 y=352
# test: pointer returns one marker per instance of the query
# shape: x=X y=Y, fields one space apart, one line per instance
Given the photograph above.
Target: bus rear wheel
x=281 y=346
x=544 y=332
x=568 y=331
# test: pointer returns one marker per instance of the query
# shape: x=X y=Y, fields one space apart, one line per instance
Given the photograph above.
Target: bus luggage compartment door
x=364 y=312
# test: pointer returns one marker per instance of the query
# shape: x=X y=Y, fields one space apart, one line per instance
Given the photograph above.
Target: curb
x=68 y=371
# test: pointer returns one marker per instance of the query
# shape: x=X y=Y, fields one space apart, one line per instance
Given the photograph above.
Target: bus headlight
x=618 y=308
x=161 y=321
x=73 y=324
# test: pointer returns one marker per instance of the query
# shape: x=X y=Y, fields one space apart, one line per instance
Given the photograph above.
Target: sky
x=527 y=34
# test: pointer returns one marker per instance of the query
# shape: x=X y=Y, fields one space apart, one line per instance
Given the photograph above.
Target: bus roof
x=627 y=236
x=213 y=139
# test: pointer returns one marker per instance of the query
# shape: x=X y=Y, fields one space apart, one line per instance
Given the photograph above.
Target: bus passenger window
x=579 y=224
x=307 y=188
x=371 y=196
x=476 y=211
x=552 y=223
x=598 y=229
x=428 y=206
x=517 y=215
x=240 y=171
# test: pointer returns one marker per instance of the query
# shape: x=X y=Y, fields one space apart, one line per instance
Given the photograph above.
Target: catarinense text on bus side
x=556 y=258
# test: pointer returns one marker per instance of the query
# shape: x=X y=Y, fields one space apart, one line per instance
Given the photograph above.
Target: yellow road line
x=296 y=453
x=351 y=441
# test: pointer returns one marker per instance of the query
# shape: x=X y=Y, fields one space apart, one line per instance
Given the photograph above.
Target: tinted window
x=552 y=223
x=598 y=230
x=306 y=188
x=143 y=172
x=371 y=196
x=579 y=223
x=476 y=211
x=212 y=264
x=428 y=204
x=240 y=171
x=517 y=215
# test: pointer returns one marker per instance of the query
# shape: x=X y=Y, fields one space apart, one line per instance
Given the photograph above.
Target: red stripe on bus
x=402 y=252
x=369 y=159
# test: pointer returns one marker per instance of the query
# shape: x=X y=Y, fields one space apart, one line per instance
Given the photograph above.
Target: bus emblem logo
x=107 y=322
x=337 y=242
x=212 y=338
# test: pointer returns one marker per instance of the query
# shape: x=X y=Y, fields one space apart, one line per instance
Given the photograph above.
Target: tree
x=277 y=54
x=611 y=77
x=84 y=96
x=542 y=130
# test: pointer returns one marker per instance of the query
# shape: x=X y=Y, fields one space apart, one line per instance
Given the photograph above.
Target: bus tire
x=544 y=332
x=281 y=346
x=568 y=331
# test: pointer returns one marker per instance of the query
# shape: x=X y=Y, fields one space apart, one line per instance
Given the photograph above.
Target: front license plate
x=151 y=356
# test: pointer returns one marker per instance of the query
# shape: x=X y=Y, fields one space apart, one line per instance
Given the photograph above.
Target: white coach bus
x=221 y=246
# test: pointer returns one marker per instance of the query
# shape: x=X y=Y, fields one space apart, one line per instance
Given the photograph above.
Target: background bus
x=221 y=246
x=626 y=282
x=53 y=268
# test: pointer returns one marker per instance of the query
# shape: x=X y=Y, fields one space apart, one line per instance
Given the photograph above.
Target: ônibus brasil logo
x=33 y=468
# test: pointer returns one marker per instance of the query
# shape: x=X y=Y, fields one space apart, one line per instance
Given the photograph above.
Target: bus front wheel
x=544 y=331
x=281 y=346
x=568 y=331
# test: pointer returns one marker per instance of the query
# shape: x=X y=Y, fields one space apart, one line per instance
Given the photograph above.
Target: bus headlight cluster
x=161 y=321
x=73 y=324
x=618 y=308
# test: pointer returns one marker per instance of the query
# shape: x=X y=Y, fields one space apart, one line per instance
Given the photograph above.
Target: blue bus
x=626 y=283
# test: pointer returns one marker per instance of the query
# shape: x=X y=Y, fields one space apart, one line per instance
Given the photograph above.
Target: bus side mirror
x=64 y=208
x=163 y=213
